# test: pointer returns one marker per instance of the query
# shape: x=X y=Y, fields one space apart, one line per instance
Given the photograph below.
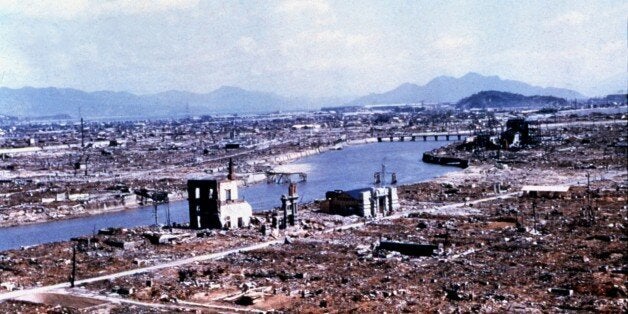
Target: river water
x=349 y=168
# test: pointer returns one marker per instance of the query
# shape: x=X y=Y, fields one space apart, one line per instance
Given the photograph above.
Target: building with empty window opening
x=214 y=203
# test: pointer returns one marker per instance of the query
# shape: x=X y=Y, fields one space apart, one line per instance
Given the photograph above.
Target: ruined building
x=517 y=133
x=214 y=203
x=367 y=202
x=289 y=206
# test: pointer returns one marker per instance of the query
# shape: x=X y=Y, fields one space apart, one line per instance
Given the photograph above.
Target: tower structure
x=289 y=206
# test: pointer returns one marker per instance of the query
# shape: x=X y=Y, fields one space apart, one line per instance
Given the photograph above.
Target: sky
x=318 y=48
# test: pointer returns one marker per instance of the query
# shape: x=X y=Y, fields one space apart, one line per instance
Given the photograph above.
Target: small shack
x=545 y=191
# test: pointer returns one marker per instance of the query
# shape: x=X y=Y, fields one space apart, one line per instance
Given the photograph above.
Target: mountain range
x=29 y=101
x=451 y=89
x=38 y=102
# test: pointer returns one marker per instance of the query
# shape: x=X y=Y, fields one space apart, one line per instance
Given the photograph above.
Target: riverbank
x=355 y=163
x=34 y=220
x=94 y=208
x=23 y=217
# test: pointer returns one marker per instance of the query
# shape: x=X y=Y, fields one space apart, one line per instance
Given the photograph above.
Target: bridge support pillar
x=447 y=137
x=424 y=138
x=436 y=137
x=459 y=137
x=413 y=138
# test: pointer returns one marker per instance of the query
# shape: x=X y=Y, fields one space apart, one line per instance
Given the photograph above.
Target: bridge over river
x=425 y=136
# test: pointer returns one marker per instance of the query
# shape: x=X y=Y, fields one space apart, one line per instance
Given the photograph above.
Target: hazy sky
x=308 y=48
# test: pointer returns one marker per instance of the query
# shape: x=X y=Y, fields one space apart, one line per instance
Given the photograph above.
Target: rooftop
x=545 y=188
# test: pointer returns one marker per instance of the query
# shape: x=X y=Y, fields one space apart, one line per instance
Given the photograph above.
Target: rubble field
x=444 y=252
x=502 y=260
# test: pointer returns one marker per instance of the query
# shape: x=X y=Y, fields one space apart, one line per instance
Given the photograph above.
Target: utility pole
x=168 y=216
x=73 y=274
x=589 y=190
x=86 y=159
x=155 y=212
x=82 y=134
x=534 y=213
x=589 y=212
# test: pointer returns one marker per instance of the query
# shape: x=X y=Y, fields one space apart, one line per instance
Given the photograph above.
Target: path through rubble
x=218 y=255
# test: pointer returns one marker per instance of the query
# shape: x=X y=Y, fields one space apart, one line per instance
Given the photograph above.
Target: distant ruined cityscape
x=530 y=217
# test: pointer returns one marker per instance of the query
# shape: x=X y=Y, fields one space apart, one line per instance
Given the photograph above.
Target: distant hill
x=450 y=89
x=29 y=102
x=618 y=98
x=38 y=102
x=495 y=99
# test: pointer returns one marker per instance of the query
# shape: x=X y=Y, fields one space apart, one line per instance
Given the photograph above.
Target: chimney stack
x=231 y=175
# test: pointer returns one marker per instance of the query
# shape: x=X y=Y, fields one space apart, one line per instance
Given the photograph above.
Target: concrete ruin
x=366 y=202
x=289 y=206
x=214 y=203
x=517 y=133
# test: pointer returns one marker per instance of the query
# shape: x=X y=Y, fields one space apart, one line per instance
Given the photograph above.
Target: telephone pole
x=73 y=274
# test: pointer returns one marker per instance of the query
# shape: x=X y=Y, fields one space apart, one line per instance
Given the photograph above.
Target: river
x=349 y=168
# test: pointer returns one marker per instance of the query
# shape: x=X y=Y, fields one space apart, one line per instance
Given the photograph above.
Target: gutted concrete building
x=289 y=206
x=367 y=202
x=214 y=203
